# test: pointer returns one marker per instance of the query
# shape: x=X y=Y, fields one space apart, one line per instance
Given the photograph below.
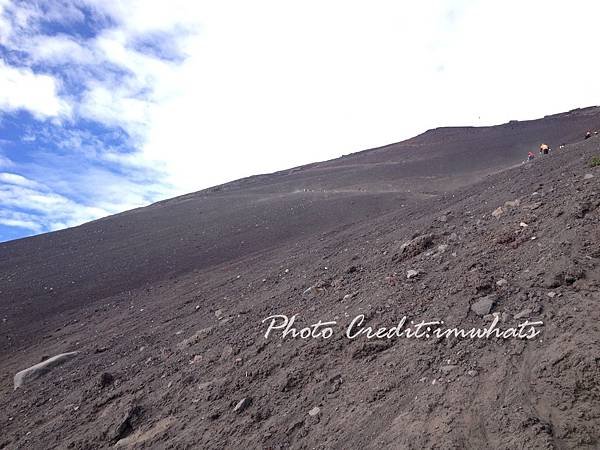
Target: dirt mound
x=168 y=315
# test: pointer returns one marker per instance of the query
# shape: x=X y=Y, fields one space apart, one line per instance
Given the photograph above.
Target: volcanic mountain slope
x=171 y=343
x=48 y=275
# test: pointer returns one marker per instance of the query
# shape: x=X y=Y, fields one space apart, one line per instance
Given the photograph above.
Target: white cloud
x=17 y=180
x=276 y=85
x=45 y=207
x=21 y=220
x=5 y=162
x=21 y=88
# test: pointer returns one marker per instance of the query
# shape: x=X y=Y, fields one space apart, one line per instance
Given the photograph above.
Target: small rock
x=34 y=372
x=242 y=404
x=442 y=248
x=523 y=225
x=501 y=282
x=315 y=290
x=484 y=305
x=498 y=212
x=194 y=339
x=512 y=203
x=412 y=274
x=106 y=379
x=219 y=314
x=349 y=296
x=314 y=412
x=196 y=359
x=129 y=423
x=448 y=368
x=472 y=373
x=534 y=205
x=588 y=176
x=523 y=314
x=551 y=294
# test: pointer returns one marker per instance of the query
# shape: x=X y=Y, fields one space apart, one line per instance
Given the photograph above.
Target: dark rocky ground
x=165 y=304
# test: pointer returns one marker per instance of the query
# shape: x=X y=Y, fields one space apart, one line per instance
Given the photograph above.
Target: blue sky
x=109 y=105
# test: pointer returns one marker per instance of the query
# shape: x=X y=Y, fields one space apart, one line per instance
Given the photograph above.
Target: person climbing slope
x=530 y=156
x=544 y=149
x=588 y=135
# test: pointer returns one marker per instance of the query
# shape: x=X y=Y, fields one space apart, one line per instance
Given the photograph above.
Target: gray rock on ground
x=524 y=314
x=34 y=372
x=314 y=412
x=242 y=404
x=412 y=274
x=484 y=305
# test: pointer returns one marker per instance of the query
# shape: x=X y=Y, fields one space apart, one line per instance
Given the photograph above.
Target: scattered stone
x=448 y=368
x=219 y=314
x=581 y=209
x=442 y=248
x=314 y=412
x=316 y=290
x=472 y=373
x=498 y=212
x=40 y=369
x=194 y=339
x=349 y=296
x=412 y=274
x=106 y=379
x=588 y=176
x=512 y=203
x=242 y=404
x=129 y=423
x=533 y=206
x=484 y=305
x=524 y=314
x=139 y=438
x=414 y=247
x=551 y=294
x=501 y=282
x=523 y=225
x=443 y=219
x=196 y=359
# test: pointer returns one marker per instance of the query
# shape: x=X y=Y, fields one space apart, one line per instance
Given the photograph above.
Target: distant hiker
x=544 y=149
x=530 y=156
x=588 y=135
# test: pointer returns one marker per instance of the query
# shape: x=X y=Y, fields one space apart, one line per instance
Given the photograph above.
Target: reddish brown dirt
x=165 y=304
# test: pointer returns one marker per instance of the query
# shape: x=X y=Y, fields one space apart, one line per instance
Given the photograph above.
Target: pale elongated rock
x=34 y=372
